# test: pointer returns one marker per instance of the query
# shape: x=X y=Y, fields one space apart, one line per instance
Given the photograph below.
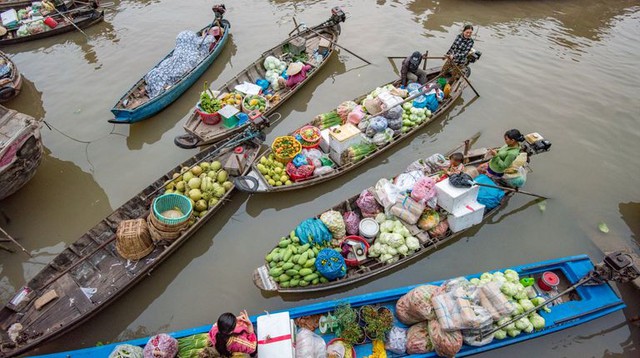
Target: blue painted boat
x=588 y=303
x=135 y=105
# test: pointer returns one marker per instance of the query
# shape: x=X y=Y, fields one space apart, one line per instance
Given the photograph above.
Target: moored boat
x=588 y=300
x=136 y=105
x=345 y=135
x=92 y=272
x=389 y=225
x=20 y=150
x=10 y=78
x=51 y=22
x=312 y=46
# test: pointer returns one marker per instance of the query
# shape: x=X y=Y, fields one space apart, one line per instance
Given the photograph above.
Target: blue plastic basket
x=169 y=201
x=331 y=264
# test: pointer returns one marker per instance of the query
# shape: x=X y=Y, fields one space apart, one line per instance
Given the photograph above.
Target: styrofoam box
x=466 y=216
x=275 y=336
x=324 y=138
x=451 y=198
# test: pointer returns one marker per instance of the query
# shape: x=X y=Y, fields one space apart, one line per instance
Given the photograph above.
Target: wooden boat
x=256 y=182
x=90 y=274
x=82 y=15
x=199 y=133
x=11 y=83
x=135 y=105
x=20 y=150
x=586 y=303
x=369 y=267
x=4 y=4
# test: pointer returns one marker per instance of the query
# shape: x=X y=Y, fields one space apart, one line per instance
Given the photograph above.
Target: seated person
x=296 y=72
x=234 y=336
x=503 y=157
x=411 y=72
x=455 y=164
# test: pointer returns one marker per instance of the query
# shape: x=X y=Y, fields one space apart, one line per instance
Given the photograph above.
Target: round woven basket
x=133 y=239
x=160 y=231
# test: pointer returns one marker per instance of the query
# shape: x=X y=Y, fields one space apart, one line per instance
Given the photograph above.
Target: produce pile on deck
x=353 y=130
x=29 y=20
x=428 y=318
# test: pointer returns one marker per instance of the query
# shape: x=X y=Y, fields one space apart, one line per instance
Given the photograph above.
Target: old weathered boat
x=136 y=105
x=81 y=15
x=368 y=267
x=20 y=150
x=4 y=4
x=90 y=274
x=301 y=46
x=257 y=182
x=10 y=78
x=589 y=300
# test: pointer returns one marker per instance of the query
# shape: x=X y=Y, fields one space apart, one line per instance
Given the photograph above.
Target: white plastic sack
x=310 y=345
x=405 y=181
x=397 y=340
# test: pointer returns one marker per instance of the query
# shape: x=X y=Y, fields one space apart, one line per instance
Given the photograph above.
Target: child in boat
x=455 y=164
x=234 y=336
x=296 y=72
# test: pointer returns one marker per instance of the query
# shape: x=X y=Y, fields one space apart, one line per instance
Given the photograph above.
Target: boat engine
x=617 y=266
x=473 y=56
x=534 y=143
x=337 y=15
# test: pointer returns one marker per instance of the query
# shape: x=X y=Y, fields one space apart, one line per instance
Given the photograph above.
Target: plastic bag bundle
x=377 y=124
x=352 y=222
x=345 y=108
x=299 y=160
x=415 y=306
x=446 y=344
x=428 y=220
x=312 y=153
x=334 y=222
x=372 y=105
x=331 y=264
x=368 y=205
x=437 y=162
x=22 y=31
x=383 y=137
x=356 y=115
x=418 y=165
x=37 y=27
x=126 y=351
x=299 y=173
x=322 y=170
x=394 y=113
x=161 y=345
x=309 y=345
x=397 y=340
x=440 y=230
x=515 y=177
x=406 y=181
x=395 y=124
x=472 y=337
x=363 y=125
x=424 y=189
x=313 y=231
x=418 y=340
x=386 y=193
x=494 y=301
x=407 y=209
x=457 y=307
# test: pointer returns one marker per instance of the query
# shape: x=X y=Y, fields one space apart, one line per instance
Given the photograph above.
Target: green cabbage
x=380 y=218
x=475 y=281
x=522 y=323
x=526 y=304
x=395 y=240
x=536 y=321
x=486 y=276
x=387 y=226
x=521 y=294
x=511 y=275
x=412 y=243
x=513 y=332
x=500 y=334
x=403 y=249
x=518 y=307
x=528 y=328
x=509 y=289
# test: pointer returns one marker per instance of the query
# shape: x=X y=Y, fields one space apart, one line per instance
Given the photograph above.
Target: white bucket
x=368 y=229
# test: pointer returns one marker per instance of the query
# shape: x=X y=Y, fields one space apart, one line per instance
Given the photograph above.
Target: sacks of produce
x=351 y=222
x=331 y=264
x=161 y=345
x=457 y=308
x=397 y=340
x=406 y=181
x=313 y=231
x=407 y=209
x=424 y=189
x=394 y=113
x=436 y=162
x=356 y=115
x=368 y=205
x=415 y=306
x=334 y=222
x=376 y=125
x=345 y=108
x=372 y=105
x=446 y=344
x=418 y=340
x=299 y=173
x=309 y=345
x=383 y=137
x=126 y=351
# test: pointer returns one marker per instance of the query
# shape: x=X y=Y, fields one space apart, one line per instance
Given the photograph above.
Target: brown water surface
x=565 y=68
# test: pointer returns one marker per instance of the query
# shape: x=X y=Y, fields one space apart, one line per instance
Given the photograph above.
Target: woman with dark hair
x=232 y=336
x=461 y=46
x=504 y=157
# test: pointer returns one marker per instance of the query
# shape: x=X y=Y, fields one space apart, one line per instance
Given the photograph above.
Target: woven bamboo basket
x=133 y=239
x=160 y=231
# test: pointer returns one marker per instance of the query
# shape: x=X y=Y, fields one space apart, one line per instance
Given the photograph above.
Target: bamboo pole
x=15 y=242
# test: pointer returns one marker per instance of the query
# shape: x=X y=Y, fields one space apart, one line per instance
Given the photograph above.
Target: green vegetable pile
x=192 y=346
x=208 y=103
x=292 y=264
x=327 y=120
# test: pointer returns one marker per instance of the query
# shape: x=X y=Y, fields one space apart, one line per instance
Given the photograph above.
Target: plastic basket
x=331 y=264
x=208 y=118
x=293 y=141
x=355 y=262
x=245 y=103
x=169 y=201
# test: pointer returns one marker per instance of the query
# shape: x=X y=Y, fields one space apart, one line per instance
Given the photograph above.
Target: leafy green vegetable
x=603 y=227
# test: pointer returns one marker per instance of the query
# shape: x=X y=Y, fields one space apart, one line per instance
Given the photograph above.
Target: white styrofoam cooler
x=466 y=216
x=275 y=336
x=324 y=138
x=451 y=198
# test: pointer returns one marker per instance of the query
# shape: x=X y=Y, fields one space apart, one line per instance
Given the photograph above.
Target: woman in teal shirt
x=503 y=157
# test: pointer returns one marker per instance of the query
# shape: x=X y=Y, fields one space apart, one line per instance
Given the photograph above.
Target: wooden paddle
x=68 y=19
x=464 y=77
x=15 y=242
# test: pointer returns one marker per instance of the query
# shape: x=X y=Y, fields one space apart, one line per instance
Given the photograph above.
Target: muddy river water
x=565 y=68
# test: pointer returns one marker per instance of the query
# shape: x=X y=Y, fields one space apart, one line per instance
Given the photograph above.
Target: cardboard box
x=9 y=18
x=323 y=46
x=276 y=336
x=452 y=199
x=341 y=138
x=297 y=46
x=466 y=216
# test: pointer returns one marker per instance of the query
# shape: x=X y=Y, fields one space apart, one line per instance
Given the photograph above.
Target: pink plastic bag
x=352 y=221
x=356 y=115
x=368 y=204
x=161 y=345
x=424 y=189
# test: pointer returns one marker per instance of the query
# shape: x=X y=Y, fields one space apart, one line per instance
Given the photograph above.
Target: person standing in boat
x=234 y=336
x=459 y=50
x=503 y=158
x=411 y=72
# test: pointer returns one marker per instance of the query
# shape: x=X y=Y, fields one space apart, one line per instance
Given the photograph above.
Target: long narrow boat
x=585 y=304
x=20 y=150
x=11 y=82
x=90 y=274
x=4 y=4
x=199 y=133
x=369 y=266
x=82 y=15
x=256 y=182
x=136 y=105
